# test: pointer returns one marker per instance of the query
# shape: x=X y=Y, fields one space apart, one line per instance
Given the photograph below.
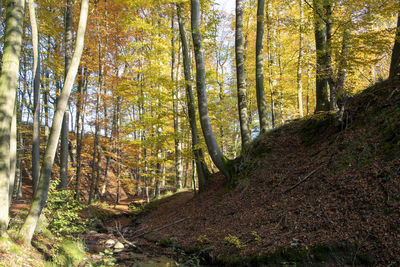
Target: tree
x=321 y=58
x=40 y=196
x=8 y=87
x=213 y=149
x=299 y=60
x=261 y=105
x=395 y=60
x=36 y=97
x=67 y=62
x=240 y=76
x=202 y=170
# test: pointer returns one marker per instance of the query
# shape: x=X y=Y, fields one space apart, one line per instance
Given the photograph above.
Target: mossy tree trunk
x=240 y=77
x=8 y=87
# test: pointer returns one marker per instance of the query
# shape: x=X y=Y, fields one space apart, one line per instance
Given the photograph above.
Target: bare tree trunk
x=79 y=130
x=36 y=97
x=262 y=109
x=240 y=76
x=40 y=196
x=395 y=60
x=8 y=87
x=213 y=149
x=321 y=82
x=65 y=130
x=299 y=61
x=203 y=171
x=270 y=64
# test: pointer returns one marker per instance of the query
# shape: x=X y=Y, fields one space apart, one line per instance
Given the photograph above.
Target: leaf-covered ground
x=312 y=183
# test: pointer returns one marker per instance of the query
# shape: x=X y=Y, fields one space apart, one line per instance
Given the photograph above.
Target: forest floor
x=311 y=192
x=315 y=191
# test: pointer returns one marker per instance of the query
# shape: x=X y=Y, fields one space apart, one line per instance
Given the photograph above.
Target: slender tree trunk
x=203 y=172
x=343 y=61
x=36 y=97
x=262 y=109
x=240 y=77
x=65 y=123
x=8 y=87
x=395 y=60
x=176 y=96
x=321 y=82
x=13 y=153
x=299 y=61
x=212 y=146
x=270 y=64
x=40 y=196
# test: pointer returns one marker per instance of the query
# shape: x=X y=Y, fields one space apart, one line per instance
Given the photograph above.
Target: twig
x=117 y=226
x=302 y=181
x=160 y=228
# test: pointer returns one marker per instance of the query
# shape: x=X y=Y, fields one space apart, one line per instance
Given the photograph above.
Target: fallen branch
x=160 y=228
x=117 y=227
x=302 y=181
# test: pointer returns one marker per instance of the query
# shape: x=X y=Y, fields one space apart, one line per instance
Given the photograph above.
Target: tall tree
x=40 y=196
x=395 y=60
x=213 y=149
x=36 y=97
x=262 y=109
x=240 y=77
x=8 y=87
x=201 y=166
x=67 y=64
x=299 y=60
x=322 y=93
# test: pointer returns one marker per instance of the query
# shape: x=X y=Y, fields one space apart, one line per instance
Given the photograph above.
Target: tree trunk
x=40 y=196
x=240 y=77
x=321 y=82
x=36 y=97
x=299 y=61
x=13 y=153
x=212 y=146
x=203 y=172
x=65 y=126
x=395 y=61
x=270 y=65
x=262 y=109
x=8 y=87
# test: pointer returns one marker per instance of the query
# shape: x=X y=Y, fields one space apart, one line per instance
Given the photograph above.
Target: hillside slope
x=309 y=187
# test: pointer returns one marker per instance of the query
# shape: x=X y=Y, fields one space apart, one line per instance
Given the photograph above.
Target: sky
x=226 y=5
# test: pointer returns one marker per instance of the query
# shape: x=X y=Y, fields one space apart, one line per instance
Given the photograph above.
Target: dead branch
x=160 y=228
x=302 y=181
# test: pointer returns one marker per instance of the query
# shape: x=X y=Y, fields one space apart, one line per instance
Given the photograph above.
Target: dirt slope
x=309 y=183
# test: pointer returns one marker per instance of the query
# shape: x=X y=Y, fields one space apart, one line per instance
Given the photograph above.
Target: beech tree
x=240 y=77
x=213 y=149
x=395 y=60
x=40 y=196
x=8 y=87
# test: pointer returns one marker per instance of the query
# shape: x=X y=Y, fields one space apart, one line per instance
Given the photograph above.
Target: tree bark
x=260 y=93
x=203 y=172
x=212 y=146
x=240 y=77
x=40 y=196
x=321 y=83
x=36 y=97
x=8 y=87
x=299 y=61
x=395 y=60
x=65 y=126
